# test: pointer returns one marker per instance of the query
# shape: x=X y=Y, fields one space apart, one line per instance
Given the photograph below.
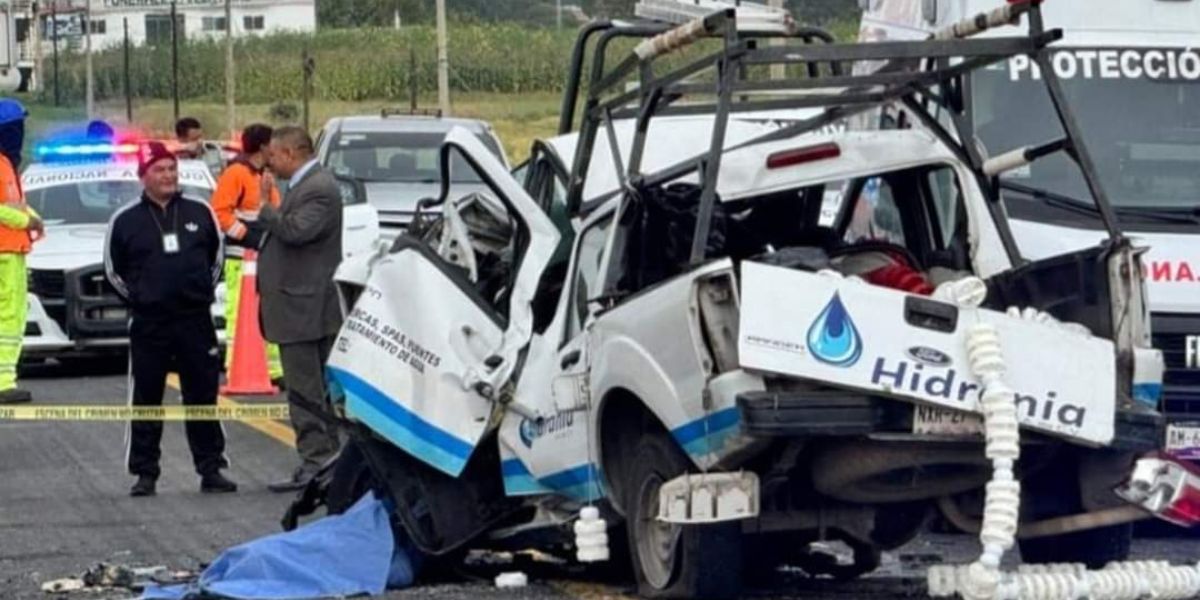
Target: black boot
x=15 y=396
x=145 y=486
x=216 y=483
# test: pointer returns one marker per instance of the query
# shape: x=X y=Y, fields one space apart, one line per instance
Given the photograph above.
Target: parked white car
x=395 y=157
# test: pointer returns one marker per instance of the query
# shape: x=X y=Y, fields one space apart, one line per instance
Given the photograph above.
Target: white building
x=149 y=21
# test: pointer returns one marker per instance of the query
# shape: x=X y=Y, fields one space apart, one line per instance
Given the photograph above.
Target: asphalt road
x=64 y=506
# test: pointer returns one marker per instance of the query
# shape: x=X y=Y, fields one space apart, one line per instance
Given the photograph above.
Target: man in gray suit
x=301 y=246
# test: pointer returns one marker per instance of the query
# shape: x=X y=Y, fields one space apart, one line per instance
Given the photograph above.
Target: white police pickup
x=72 y=309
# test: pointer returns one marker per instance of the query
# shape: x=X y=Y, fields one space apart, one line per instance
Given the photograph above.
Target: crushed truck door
x=851 y=334
x=424 y=356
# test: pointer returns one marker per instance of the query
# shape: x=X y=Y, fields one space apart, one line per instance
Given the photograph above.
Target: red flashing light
x=806 y=154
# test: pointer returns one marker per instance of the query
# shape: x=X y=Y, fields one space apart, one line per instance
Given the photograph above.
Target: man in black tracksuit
x=163 y=256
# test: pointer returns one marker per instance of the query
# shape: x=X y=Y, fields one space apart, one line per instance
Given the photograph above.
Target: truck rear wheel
x=1046 y=495
x=676 y=561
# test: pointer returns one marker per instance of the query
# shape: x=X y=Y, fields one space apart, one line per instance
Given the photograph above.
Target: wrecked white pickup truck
x=786 y=338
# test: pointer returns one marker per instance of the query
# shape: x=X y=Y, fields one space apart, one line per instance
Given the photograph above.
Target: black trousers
x=187 y=344
x=304 y=369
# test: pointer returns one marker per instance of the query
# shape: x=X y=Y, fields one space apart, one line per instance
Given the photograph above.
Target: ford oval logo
x=929 y=356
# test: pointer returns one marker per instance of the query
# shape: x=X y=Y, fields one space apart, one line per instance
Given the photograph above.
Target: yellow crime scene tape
x=240 y=412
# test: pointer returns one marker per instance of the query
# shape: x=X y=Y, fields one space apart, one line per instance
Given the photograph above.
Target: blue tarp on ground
x=344 y=555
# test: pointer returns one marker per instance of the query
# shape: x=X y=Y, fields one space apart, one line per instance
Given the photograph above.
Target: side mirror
x=352 y=190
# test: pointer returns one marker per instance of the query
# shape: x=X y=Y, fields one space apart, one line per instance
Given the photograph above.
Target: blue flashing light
x=83 y=150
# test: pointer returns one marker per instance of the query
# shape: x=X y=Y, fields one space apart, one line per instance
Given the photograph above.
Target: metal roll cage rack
x=922 y=76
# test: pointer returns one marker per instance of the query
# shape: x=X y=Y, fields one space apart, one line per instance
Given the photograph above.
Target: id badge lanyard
x=170 y=239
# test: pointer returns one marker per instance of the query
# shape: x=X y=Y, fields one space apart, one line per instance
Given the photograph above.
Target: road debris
x=514 y=579
x=104 y=576
x=59 y=586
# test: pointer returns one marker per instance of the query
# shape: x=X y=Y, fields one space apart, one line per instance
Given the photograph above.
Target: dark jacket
x=302 y=249
x=152 y=281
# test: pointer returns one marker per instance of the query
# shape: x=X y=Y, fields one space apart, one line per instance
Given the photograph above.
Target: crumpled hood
x=67 y=247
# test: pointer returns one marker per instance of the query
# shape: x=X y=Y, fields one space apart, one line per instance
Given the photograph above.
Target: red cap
x=150 y=153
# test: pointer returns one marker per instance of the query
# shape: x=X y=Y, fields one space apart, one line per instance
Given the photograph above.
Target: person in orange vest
x=19 y=228
x=238 y=197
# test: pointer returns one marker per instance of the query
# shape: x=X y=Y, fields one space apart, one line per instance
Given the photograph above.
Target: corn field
x=351 y=65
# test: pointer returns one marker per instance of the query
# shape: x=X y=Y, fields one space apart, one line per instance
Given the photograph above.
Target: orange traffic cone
x=248 y=374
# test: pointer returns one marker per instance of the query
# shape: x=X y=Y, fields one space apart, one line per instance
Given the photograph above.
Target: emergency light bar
x=84 y=150
x=752 y=17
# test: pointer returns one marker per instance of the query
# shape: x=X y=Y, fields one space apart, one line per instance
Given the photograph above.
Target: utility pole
x=443 y=61
x=35 y=82
x=87 y=48
x=558 y=13
x=128 y=84
x=175 y=58
x=309 y=68
x=412 y=80
x=230 y=76
x=54 y=34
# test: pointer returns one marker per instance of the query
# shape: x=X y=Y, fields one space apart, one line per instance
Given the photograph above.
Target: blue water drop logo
x=833 y=339
x=527 y=432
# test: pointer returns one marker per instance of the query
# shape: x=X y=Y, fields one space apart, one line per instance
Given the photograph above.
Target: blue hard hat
x=11 y=110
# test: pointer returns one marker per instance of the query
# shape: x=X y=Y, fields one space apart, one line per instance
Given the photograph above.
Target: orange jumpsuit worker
x=239 y=195
x=19 y=228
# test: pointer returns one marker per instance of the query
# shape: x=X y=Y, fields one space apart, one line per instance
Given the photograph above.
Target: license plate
x=940 y=421
x=1183 y=440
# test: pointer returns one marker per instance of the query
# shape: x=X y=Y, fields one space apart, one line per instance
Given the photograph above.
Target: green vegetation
x=351 y=65
x=363 y=63
x=517 y=118
x=503 y=68
x=357 y=13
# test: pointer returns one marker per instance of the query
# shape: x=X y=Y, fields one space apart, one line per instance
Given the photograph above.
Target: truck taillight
x=1166 y=487
x=806 y=154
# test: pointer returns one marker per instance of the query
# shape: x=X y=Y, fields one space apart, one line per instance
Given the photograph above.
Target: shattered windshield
x=1139 y=110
